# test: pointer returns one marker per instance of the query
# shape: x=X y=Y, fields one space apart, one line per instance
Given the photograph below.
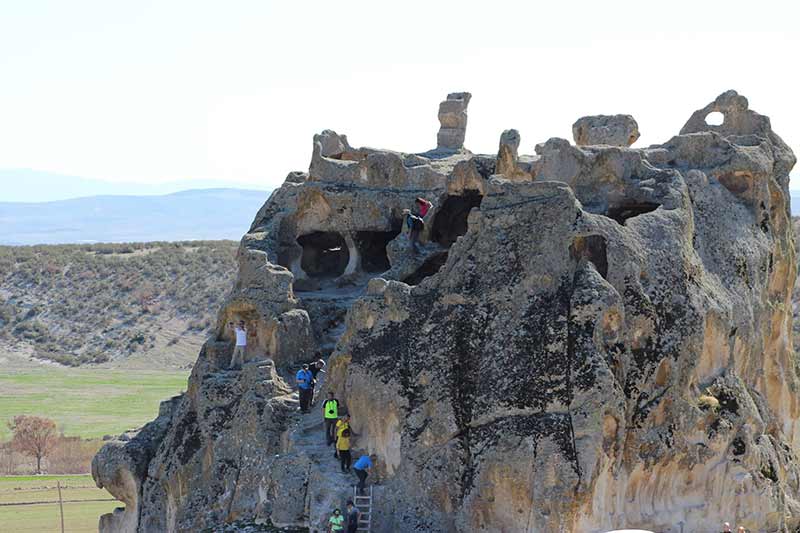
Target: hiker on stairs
x=343 y=449
x=362 y=467
x=315 y=367
x=352 y=516
x=336 y=521
x=305 y=387
x=330 y=412
x=341 y=425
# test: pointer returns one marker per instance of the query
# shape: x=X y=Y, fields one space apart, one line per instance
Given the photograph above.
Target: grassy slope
x=87 y=402
x=79 y=517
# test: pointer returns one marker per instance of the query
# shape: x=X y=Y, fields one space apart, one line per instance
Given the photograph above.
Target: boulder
x=611 y=130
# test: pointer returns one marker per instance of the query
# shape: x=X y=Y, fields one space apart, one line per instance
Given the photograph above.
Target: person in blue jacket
x=362 y=467
x=306 y=387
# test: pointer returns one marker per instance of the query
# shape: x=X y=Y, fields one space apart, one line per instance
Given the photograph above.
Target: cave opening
x=325 y=254
x=450 y=221
x=593 y=249
x=430 y=267
x=629 y=209
x=371 y=246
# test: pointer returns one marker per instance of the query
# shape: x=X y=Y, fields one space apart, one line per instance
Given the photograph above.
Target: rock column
x=453 y=120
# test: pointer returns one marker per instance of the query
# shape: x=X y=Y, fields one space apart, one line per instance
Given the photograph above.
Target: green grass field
x=79 y=516
x=89 y=402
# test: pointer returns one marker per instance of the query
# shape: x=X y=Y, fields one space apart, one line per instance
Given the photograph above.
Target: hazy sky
x=234 y=90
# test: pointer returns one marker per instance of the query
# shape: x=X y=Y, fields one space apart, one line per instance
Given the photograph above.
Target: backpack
x=346 y=433
x=415 y=222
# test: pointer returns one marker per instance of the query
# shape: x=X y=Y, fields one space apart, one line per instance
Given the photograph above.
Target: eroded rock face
x=588 y=338
x=611 y=130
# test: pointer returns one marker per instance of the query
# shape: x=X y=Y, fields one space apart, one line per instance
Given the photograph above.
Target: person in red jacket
x=422 y=206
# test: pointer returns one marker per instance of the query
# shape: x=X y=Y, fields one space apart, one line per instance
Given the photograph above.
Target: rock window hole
x=627 y=210
x=325 y=254
x=715 y=118
x=371 y=247
x=450 y=221
x=593 y=249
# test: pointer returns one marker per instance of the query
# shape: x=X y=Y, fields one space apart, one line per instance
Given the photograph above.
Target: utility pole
x=60 y=505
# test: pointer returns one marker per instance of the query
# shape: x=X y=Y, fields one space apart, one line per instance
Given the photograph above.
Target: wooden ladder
x=364 y=504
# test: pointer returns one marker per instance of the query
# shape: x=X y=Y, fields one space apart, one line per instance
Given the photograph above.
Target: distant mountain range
x=26 y=185
x=186 y=215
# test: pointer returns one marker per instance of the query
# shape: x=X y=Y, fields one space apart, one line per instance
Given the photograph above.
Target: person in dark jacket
x=415 y=226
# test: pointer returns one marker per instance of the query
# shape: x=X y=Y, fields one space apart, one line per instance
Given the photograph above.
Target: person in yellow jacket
x=343 y=447
x=330 y=412
x=342 y=424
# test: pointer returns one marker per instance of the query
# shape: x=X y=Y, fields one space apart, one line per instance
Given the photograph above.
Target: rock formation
x=614 y=130
x=453 y=120
x=601 y=341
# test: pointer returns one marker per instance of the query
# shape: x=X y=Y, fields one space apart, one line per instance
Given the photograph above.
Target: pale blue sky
x=160 y=91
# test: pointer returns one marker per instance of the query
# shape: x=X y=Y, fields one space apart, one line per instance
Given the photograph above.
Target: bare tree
x=34 y=436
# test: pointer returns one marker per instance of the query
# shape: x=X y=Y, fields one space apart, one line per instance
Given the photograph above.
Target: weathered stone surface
x=611 y=130
x=453 y=120
x=589 y=338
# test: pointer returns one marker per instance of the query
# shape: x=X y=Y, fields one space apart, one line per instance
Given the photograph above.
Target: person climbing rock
x=422 y=206
x=362 y=467
x=336 y=521
x=304 y=385
x=240 y=331
x=353 y=515
x=330 y=413
x=415 y=227
x=726 y=528
x=343 y=447
x=341 y=425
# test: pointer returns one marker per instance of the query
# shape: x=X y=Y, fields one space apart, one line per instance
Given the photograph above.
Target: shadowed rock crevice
x=450 y=221
x=624 y=211
x=593 y=249
x=429 y=267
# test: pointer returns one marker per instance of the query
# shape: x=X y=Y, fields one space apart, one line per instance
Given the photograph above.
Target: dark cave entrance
x=450 y=221
x=430 y=267
x=629 y=209
x=371 y=247
x=325 y=254
x=593 y=249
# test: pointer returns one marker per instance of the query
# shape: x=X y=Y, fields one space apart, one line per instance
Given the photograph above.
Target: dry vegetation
x=77 y=304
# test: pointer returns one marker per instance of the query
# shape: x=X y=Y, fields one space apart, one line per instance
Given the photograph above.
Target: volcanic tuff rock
x=453 y=120
x=590 y=338
x=613 y=130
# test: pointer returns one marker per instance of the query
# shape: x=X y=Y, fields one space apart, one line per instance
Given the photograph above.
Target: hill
x=28 y=185
x=191 y=214
x=78 y=304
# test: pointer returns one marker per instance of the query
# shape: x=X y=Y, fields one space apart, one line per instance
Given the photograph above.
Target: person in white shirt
x=240 y=332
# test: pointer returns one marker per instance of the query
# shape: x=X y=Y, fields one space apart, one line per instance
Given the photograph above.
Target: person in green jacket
x=330 y=413
x=336 y=521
